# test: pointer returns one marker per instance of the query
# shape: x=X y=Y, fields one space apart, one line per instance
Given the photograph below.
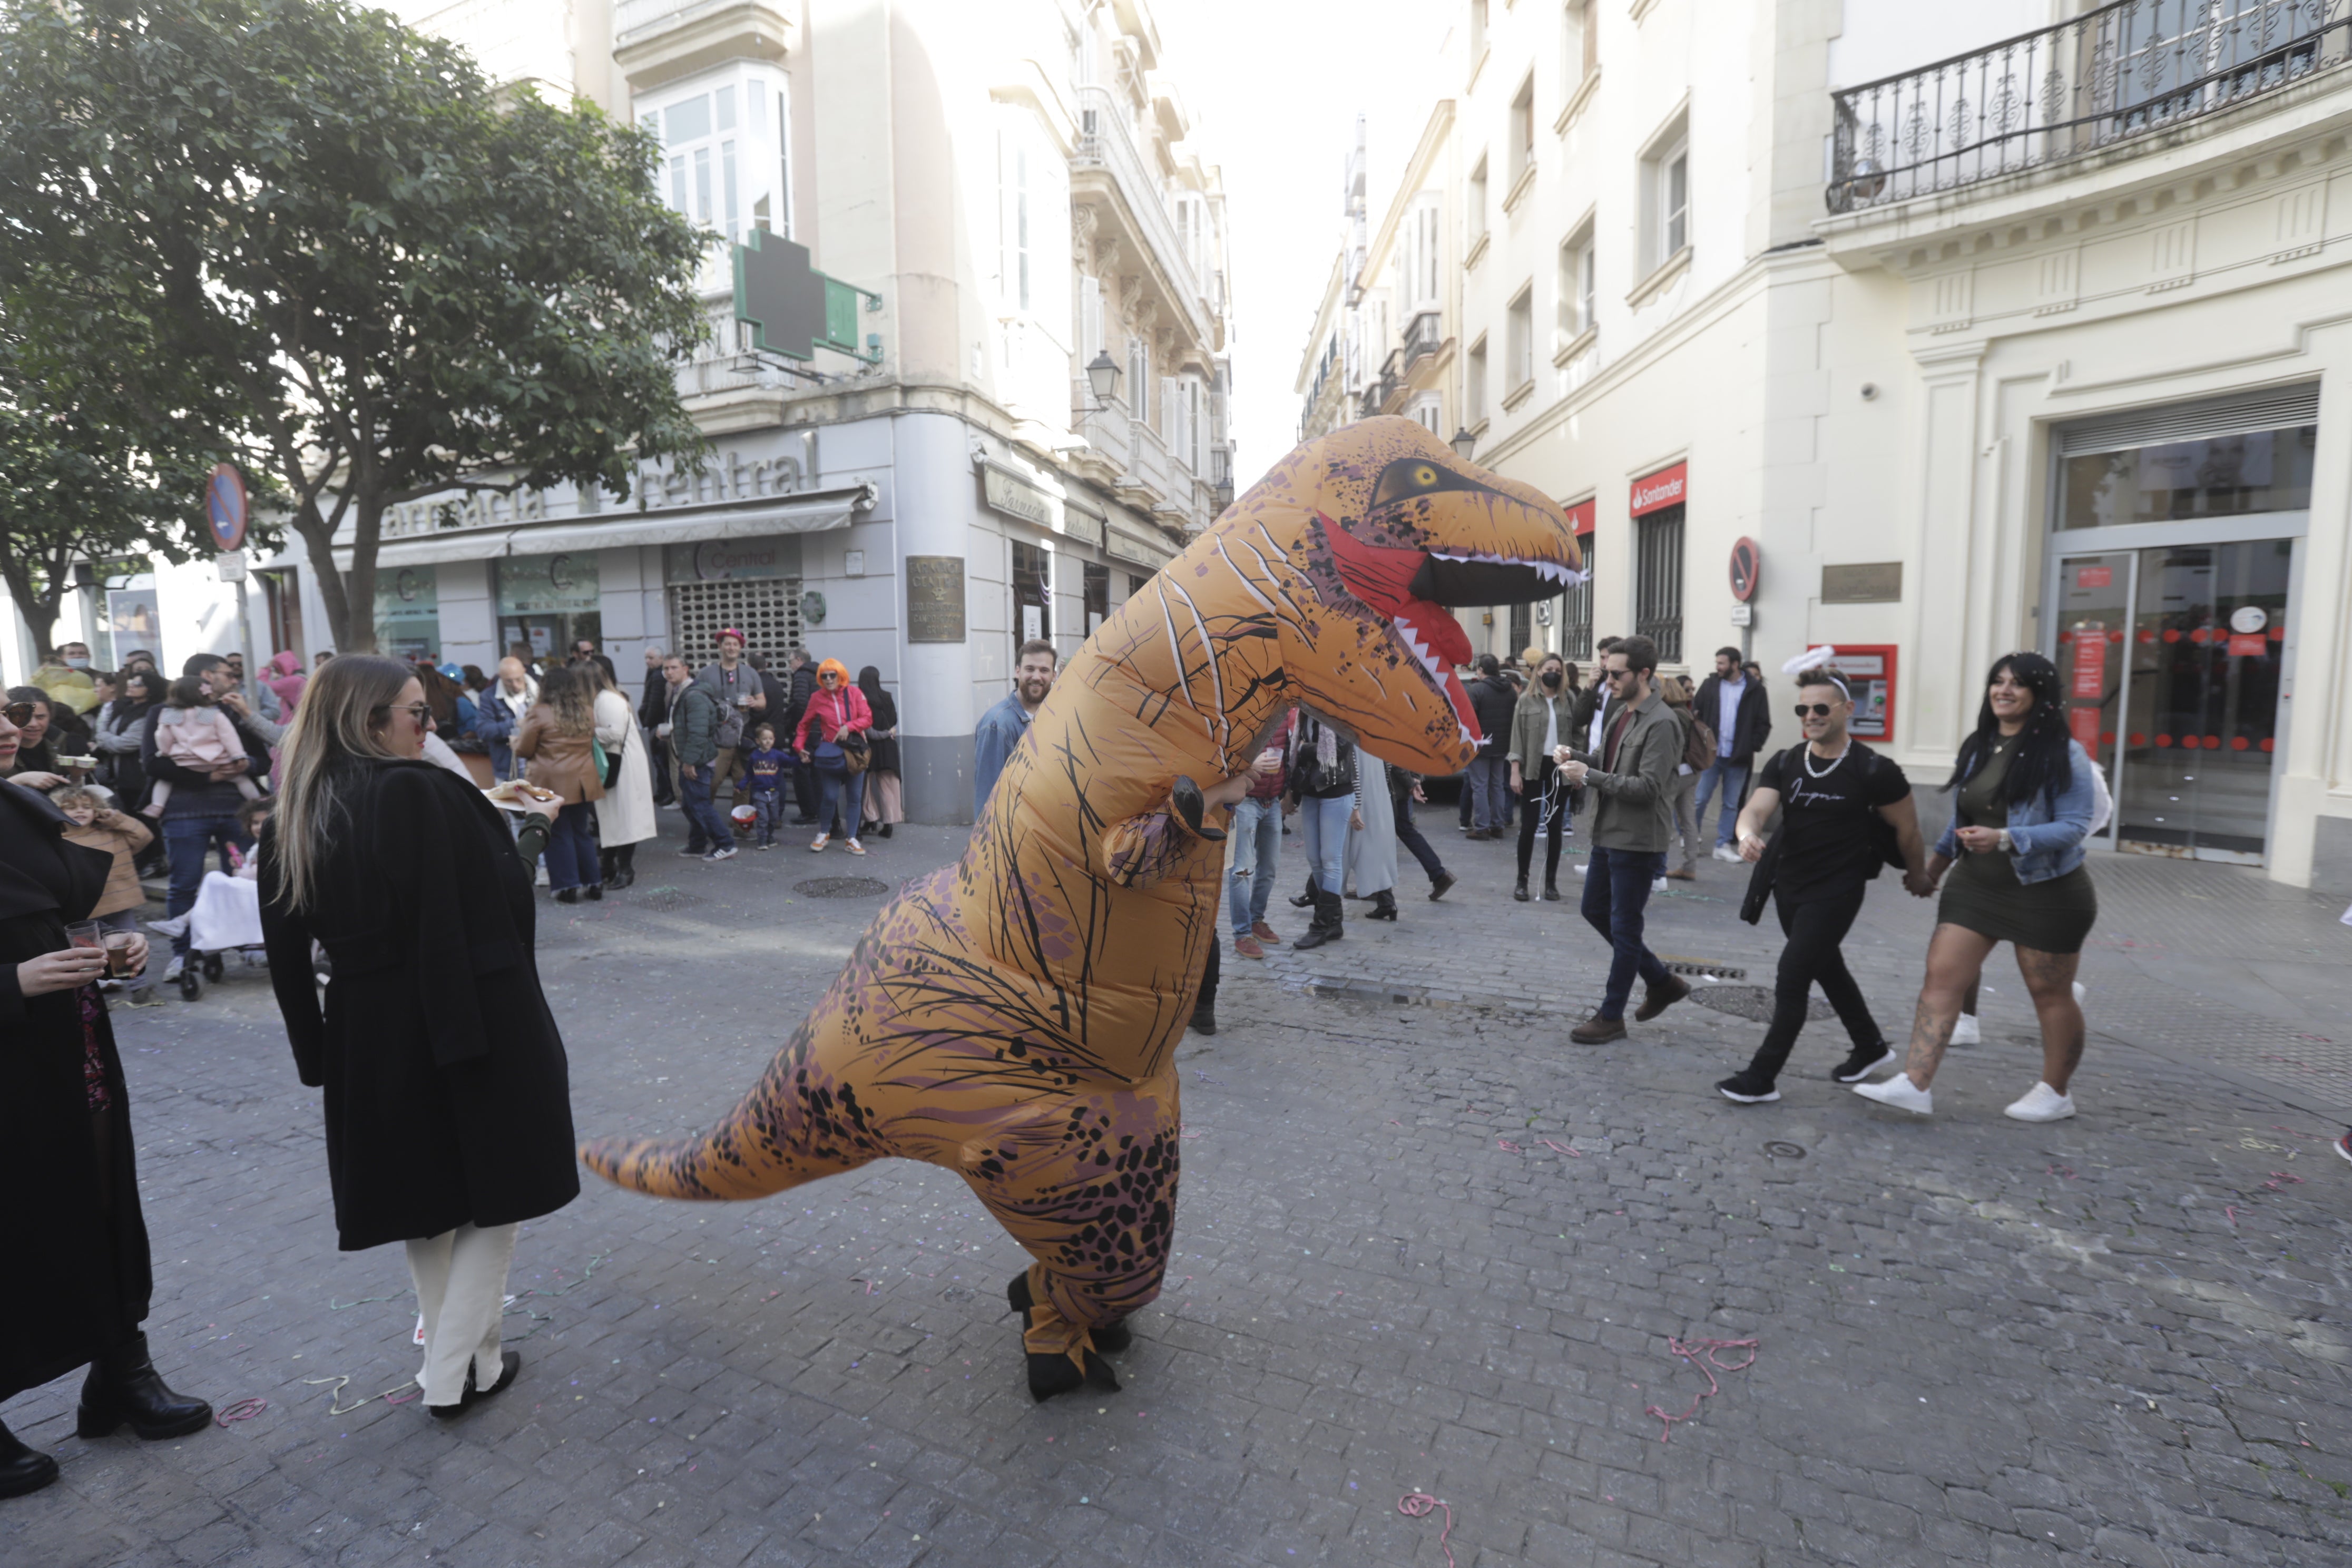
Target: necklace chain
x=1811 y=773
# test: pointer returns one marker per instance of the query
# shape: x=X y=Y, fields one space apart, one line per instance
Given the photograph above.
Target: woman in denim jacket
x=2023 y=796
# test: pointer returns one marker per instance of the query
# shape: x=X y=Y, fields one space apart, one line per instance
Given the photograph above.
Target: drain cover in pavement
x=841 y=887
x=664 y=899
x=1753 y=1002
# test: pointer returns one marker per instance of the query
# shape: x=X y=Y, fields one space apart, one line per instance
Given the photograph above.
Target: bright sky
x=1273 y=88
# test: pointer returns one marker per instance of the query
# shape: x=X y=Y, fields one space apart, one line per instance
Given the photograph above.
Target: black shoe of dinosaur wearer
x=123 y=1385
x=1053 y=1374
x=1112 y=1336
x=23 y=1470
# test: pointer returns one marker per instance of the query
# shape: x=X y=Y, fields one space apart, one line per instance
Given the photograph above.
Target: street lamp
x=1463 y=443
x=1224 y=492
x=1102 y=376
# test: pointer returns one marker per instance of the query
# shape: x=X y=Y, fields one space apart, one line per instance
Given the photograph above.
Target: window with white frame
x=725 y=150
x=1581 y=42
x=1138 y=377
x=1523 y=130
x=1474 y=206
x=1417 y=258
x=1428 y=411
x=1191 y=232
x=1666 y=195
x=1478 y=31
x=1519 y=339
x=1474 y=385
x=1036 y=312
x=1578 y=270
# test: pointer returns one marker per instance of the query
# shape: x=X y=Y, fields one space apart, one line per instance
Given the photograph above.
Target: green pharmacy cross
x=794 y=310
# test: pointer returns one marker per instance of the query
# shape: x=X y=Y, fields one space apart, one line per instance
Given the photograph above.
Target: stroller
x=226 y=918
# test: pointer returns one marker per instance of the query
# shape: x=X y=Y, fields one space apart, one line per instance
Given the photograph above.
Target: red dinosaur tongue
x=1381 y=578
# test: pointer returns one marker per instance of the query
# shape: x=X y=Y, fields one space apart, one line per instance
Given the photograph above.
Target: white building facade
x=2009 y=326
x=1010 y=186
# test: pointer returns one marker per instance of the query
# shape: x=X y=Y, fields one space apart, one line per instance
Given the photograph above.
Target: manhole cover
x=1781 y=1150
x=842 y=888
x=1753 y=1002
x=664 y=899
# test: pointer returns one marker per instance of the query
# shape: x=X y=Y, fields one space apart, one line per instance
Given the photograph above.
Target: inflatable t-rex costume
x=1013 y=1017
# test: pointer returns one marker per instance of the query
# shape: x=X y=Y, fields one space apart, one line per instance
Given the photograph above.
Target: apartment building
x=1010 y=191
x=1971 y=328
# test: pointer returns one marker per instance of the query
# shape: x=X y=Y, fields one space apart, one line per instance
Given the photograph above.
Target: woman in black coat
x=886 y=798
x=71 y=1229
x=447 y=1096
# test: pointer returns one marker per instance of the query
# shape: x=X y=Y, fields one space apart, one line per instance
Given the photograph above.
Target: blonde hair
x=342 y=719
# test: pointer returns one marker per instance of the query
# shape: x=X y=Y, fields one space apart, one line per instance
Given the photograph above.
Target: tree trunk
x=367 y=538
x=40 y=610
x=319 y=543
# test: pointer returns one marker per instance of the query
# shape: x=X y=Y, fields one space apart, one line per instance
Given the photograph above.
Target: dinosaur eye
x=1411 y=476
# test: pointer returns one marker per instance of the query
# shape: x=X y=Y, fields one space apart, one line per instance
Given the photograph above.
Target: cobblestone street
x=1424 y=1244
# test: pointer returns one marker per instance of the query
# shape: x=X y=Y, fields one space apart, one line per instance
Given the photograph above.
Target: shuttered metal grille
x=2275 y=410
x=766 y=610
x=1658 y=581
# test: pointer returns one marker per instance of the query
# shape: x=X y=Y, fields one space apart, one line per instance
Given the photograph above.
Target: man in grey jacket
x=1632 y=778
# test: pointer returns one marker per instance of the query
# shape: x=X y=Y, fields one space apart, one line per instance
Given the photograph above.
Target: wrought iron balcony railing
x=1423 y=335
x=2125 y=71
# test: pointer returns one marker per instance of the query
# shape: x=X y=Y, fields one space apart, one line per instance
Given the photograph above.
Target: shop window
x=1033 y=595
x=408 y=614
x=1097 y=586
x=1658 y=581
x=1523 y=629
x=1576 y=610
x=2172 y=482
x=547 y=602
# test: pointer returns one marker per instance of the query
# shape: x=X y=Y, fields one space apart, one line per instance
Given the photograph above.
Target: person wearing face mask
x=447 y=1098
x=1544 y=721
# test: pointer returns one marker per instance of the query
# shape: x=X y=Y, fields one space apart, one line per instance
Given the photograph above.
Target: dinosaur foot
x=1053 y=1374
x=1112 y=1336
x=1186 y=798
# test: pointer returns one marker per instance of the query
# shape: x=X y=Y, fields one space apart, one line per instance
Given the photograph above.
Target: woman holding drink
x=73 y=1234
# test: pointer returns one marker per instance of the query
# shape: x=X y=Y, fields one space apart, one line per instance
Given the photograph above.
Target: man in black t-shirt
x=1839 y=804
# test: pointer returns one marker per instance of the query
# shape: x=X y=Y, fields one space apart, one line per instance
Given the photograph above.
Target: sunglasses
x=1815 y=709
x=420 y=711
x=18 y=713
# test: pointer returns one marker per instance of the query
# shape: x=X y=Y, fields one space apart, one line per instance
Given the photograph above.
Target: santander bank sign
x=1655 y=492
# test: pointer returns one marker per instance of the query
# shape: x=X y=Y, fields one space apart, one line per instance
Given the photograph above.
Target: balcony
x=1105 y=152
x=2127 y=70
x=1424 y=336
x=658 y=41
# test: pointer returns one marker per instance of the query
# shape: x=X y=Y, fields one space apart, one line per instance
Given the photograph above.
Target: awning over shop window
x=812 y=511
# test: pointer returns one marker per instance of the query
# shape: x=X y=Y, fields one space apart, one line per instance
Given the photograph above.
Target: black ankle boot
x=23 y=1470
x=1327 y=926
x=1552 y=890
x=1384 y=906
x=122 y=1386
x=1520 y=892
x=1204 y=1017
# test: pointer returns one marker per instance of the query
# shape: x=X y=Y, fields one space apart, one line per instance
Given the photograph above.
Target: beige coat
x=121 y=836
x=565 y=763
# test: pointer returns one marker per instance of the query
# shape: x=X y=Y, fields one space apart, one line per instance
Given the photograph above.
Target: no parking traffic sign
x=224 y=507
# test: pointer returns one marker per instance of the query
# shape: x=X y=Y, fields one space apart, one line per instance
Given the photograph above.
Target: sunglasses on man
x=1815 y=709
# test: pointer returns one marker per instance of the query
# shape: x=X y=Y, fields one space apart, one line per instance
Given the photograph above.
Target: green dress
x=1982 y=892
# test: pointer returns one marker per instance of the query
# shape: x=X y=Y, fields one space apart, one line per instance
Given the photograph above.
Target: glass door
x=2094 y=599
x=2208 y=644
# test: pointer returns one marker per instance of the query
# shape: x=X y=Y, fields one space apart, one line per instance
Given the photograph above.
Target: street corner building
x=1925 y=333
x=978 y=393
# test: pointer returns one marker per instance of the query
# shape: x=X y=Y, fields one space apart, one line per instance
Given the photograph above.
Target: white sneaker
x=1581 y=868
x=1726 y=852
x=1901 y=1093
x=1966 y=1031
x=172 y=970
x=1657 y=884
x=2041 y=1103
x=174 y=927
x=817 y=845
x=2081 y=991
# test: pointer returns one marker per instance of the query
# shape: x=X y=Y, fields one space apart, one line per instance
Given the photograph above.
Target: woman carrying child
x=195 y=734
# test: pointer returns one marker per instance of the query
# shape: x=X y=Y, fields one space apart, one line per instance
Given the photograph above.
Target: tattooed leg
x=1955 y=956
x=2049 y=977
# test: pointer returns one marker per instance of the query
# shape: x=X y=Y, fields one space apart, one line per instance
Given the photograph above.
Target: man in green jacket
x=1632 y=821
x=694 y=716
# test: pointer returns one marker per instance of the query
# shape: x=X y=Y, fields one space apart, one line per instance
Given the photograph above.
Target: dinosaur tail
x=795 y=1125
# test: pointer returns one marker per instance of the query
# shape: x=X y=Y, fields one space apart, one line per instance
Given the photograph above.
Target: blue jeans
x=1324 y=825
x=835 y=799
x=1733 y=778
x=705 y=830
x=770 y=811
x=1490 y=787
x=186 y=839
x=570 y=851
x=1257 y=845
x=1616 y=889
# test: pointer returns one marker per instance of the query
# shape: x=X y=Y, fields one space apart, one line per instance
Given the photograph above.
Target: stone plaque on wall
x=1872 y=582
x=935 y=599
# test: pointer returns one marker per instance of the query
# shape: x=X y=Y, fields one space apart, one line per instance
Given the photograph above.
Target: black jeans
x=1542 y=802
x=1410 y=837
x=1811 y=957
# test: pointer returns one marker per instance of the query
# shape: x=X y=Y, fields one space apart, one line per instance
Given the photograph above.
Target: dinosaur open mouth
x=1418 y=590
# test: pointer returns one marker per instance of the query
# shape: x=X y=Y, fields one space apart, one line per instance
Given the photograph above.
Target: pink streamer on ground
x=1556 y=1149
x=243 y=1410
x=1701 y=1354
x=1420 y=1505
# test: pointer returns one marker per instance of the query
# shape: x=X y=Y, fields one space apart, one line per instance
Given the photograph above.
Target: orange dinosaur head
x=1391 y=531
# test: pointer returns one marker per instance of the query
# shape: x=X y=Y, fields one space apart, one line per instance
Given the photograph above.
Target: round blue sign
x=224 y=506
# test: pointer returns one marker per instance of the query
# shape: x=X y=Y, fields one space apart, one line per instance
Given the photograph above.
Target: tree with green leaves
x=404 y=280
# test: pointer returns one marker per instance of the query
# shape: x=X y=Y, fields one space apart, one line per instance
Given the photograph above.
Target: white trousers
x=461 y=1286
